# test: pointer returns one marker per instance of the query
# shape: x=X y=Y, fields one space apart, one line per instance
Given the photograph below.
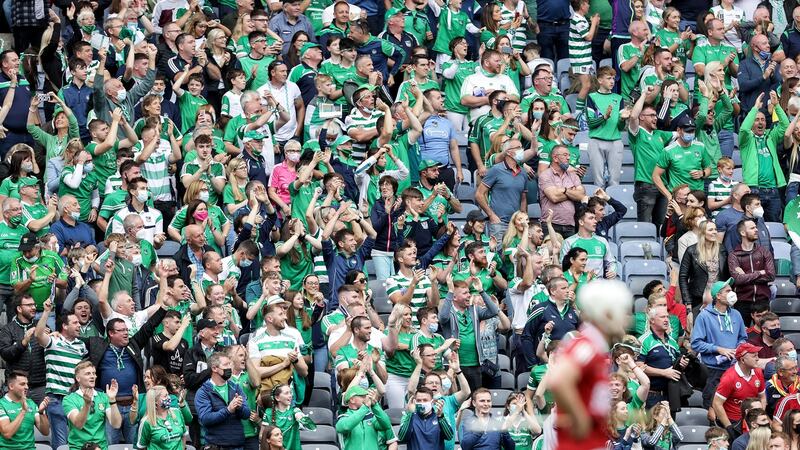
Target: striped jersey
x=229 y=269
x=517 y=35
x=580 y=50
x=399 y=283
x=263 y=344
x=355 y=120
x=599 y=255
x=60 y=358
x=718 y=191
x=156 y=170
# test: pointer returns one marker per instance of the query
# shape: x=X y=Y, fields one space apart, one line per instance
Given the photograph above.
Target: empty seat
x=320 y=398
x=168 y=249
x=629 y=231
x=794 y=338
x=693 y=446
x=320 y=447
x=39 y=437
x=506 y=380
x=785 y=287
x=534 y=211
x=691 y=416
x=694 y=434
x=623 y=193
x=590 y=188
x=785 y=306
x=504 y=362
x=696 y=399
x=380 y=299
x=627 y=174
x=322 y=380
x=781 y=250
x=790 y=324
x=466 y=208
x=522 y=381
x=776 y=230
x=465 y=193
x=633 y=250
x=637 y=274
x=499 y=397
x=40 y=446
x=320 y=416
x=323 y=433
x=640 y=304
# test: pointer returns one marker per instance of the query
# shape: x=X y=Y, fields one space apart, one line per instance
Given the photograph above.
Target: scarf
x=784 y=391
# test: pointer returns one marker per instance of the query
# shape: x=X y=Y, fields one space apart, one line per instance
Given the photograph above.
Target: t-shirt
x=400 y=283
x=188 y=104
x=61 y=357
x=707 y=53
x=167 y=434
x=580 y=50
x=401 y=363
x=452 y=87
x=647 y=148
x=468 y=350
x=678 y=161
x=436 y=340
x=9 y=409
x=480 y=82
x=628 y=79
x=171 y=361
x=83 y=193
x=94 y=430
x=48 y=263
x=734 y=387
x=156 y=169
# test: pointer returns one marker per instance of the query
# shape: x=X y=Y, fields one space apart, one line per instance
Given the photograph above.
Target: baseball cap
x=340 y=140
x=202 y=324
x=393 y=11
x=27 y=181
x=427 y=164
x=476 y=215
x=28 y=242
x=745 y=348
x=274 y=300
x=686 y=123
x=253 y=135
x=306 y=47
x=718 y=285
x=354 y=391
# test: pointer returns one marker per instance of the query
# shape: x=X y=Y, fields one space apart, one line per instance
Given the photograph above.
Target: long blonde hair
x=511 y=232
x=759 y=438
x=707 y=252
x=238 y=194
x=153 y=394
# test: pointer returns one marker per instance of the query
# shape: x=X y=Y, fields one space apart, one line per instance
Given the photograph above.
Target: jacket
x=97 y=346
x=387 y=239
x=751 y=286
x=472 y=439
x=709 y=334
x=360 y=432
x=183 y=262
x=752 y=82
x=195 y=372
x=103 y=106
x=693 y=275
x=425 y=433
x=221 y=426
x=749 y=152
x=449 y=323
x=29 y=359
x=612 y=219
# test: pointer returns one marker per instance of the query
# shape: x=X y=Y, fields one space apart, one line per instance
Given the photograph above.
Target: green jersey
x=641 y=322
x=10 y=188
x=670 y=38
x=483 y=129
x=359 y=428
x=468 y=350
x=401 y=363
x=452 y=86
x=188 y=104
x=339 y=75
x=535 y=379
x=83 y=193
x=417 y=25
x=251 y=394
x=105 y=164
x=10 y=410
x=436 y=340
x=530 y=95
x=580 y=49
x=708 y=53
x=677 y=161
x=61 y=357
x=215 y=170
x=255 y=70
x=348 y=355
x=296 y=267
x=167 y=433
x=647 y=148
x=34 y=212
x=452 y=24
x=628 y=80
x=289 y=425
x=546 y=148
x=9 y=249
x=601 y=128
x=94 y=429
x=48 y=263
x=404 y=93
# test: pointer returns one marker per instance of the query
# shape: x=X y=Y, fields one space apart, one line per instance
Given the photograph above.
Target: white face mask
x=203 y=196
x=141 y=234
x=758 y=212
x=136 y=260
x=142 y=196
x=731 y=298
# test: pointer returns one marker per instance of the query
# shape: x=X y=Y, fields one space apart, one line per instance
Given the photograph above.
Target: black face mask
x=797 y=428
x=227 y=374
x=501 y=104
x=775 y=333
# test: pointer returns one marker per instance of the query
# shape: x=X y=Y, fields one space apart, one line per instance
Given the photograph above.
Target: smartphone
x=506 y=50
x=42 y=97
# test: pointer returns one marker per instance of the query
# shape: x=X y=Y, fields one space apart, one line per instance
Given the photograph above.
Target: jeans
x=711 y=386
x=396 y=391
x=126 y=432
x=792 y=191
x=498 y=230
x=564 y=230
x=726 y=142
x=604 y=154
x=321 y=359
x=554 y=40
x=651 y=206
x=771 y=201
x=517 y=353
x=384 y=266
x=58 y=421
x=473 y=376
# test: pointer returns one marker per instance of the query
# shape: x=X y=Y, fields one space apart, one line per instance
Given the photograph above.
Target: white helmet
x=607 y=304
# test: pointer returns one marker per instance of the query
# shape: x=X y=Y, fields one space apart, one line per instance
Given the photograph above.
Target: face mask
x=688 y=137
x=764 y=55
x=537 y=115
x=136 y=260
x=731 y=298
x=88 y=29
x=157 y=93
x=519 y=156
x=142 y=196
x=203 y=196
x=563 y=166
x=31 y=259
x=227 y=374
x=501 y=104
x=27 y=167
x=566 y=140
x=293 y=156
x=165 y=403
x=122 y=95
x=758 y=212
x=75 y=215
x=88 y=167
x=792 y=355
x=363 y=383
x=200 y=215
x=726 y=179
x=433 y=327
x=141 y=234
x=424 y=408
x=446 y=385
x=775 y=333
x=245 y=263
x=15 y=221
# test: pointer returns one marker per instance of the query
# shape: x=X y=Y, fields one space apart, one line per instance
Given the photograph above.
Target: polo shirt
x=9 y=248
x=153 y=221
x=480 y=82
x=505 y=189
x=71 y=234
x=788 y=403
x=659 y=354
x=734 y=387
x=434 y=143
x=563 y=212
x=282 y=27
x=678 y=161
x=303 y=76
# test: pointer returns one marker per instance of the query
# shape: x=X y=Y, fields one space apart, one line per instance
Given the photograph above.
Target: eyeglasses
x=360 y=281
x=312 y=283
x=429 y=355
x=545 y=78
x=121 y=330
x=28 y=305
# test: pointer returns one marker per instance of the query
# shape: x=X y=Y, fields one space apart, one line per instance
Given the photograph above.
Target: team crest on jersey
x=738 y=385
x=758 y=383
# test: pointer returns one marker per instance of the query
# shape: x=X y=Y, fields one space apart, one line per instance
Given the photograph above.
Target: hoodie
x=712 y=331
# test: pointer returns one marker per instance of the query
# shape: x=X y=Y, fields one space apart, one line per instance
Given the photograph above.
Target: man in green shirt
x=684 y=161
x=11 y=232
x=360 y=425
x=88 y=410
x=255 y=64
x=715 y=50
x=35 y=270
x=630 y=55
x=484 y=127
x=421 y=68
x=19 y=414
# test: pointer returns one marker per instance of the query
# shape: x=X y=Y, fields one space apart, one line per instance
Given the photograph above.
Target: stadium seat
x=244 y=338
x=629 y=231
x=465 y=193
x=626 y=175
x=322 y=380
x=623 y=193
x=572 y=100
x=605 y=63
x=320 y=416
x=634 y=250
x=395 y=415
x=120 y=447
x=564 y=84
x=790 y=324
x=640 y=305
x=39 y=437
x=794 y=338
x=691 y=416
x=320 y=447
x=590 y=188
x=693 y=447
x=465 y=209
x=468 y=177
x=190 y=447
x=461 y=138
x=499 y=397
x=522 y=381
x=562 y=68
x=369 y=267
x=506 y=380
x=694 y=434
x=534 y=211
x=785 y=287
x=379 y=297
x=63 y=447
x=323 y=433
x=785 y=306
x=783 y=267
x=781 y=250
x=40 y=446
x=168 y=249
x=321 y=398
x=502 y=344
x=627 y=156
x=737 y=158
x=776 y=230
x=737 y=173
x=637 y=274
x=504 y=362
x=696 y=399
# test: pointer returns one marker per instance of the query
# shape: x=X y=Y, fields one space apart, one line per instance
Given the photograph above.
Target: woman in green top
x=64 y=123
x=151 y=109
x=240 y=44
x=296 y=252
x=454 y=72
x=233 y=195
x=196 y=197
x=574 y=267
x=520 y=422
x=23 y=166
x=491 y=25
x=303 y=316
x=282 y=415
x=163 y=425
x=75 y=179
x=512 y=63
x=679 y=43
x=516 y=234
x=399 y=362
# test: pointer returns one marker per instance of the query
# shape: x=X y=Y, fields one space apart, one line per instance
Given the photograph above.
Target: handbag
x=489 y=368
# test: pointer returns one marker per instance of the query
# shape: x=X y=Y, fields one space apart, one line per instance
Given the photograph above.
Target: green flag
x=791 y=218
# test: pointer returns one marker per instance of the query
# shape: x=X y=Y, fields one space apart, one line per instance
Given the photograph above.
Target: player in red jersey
x=583 y=365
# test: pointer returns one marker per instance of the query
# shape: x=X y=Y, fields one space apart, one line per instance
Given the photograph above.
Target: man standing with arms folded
x=559 y=189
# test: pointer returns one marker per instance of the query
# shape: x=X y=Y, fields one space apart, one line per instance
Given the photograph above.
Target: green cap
x=392 y=11
x=27 y=181
x=311 y=144
x=427 y=164
x=354 y=391
x=253 y=135
x=717 y=286
x=306 y=47
x=340 y=140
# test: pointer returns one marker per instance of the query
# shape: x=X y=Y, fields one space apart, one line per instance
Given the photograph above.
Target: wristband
x=112 y=403
x=459 y=372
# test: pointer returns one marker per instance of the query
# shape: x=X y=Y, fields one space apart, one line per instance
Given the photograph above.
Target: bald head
x=194 y=236
x=760 y=45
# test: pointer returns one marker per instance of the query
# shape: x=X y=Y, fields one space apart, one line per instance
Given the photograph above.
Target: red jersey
x=589 y=352
x=734 y=387
x=786 y=404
